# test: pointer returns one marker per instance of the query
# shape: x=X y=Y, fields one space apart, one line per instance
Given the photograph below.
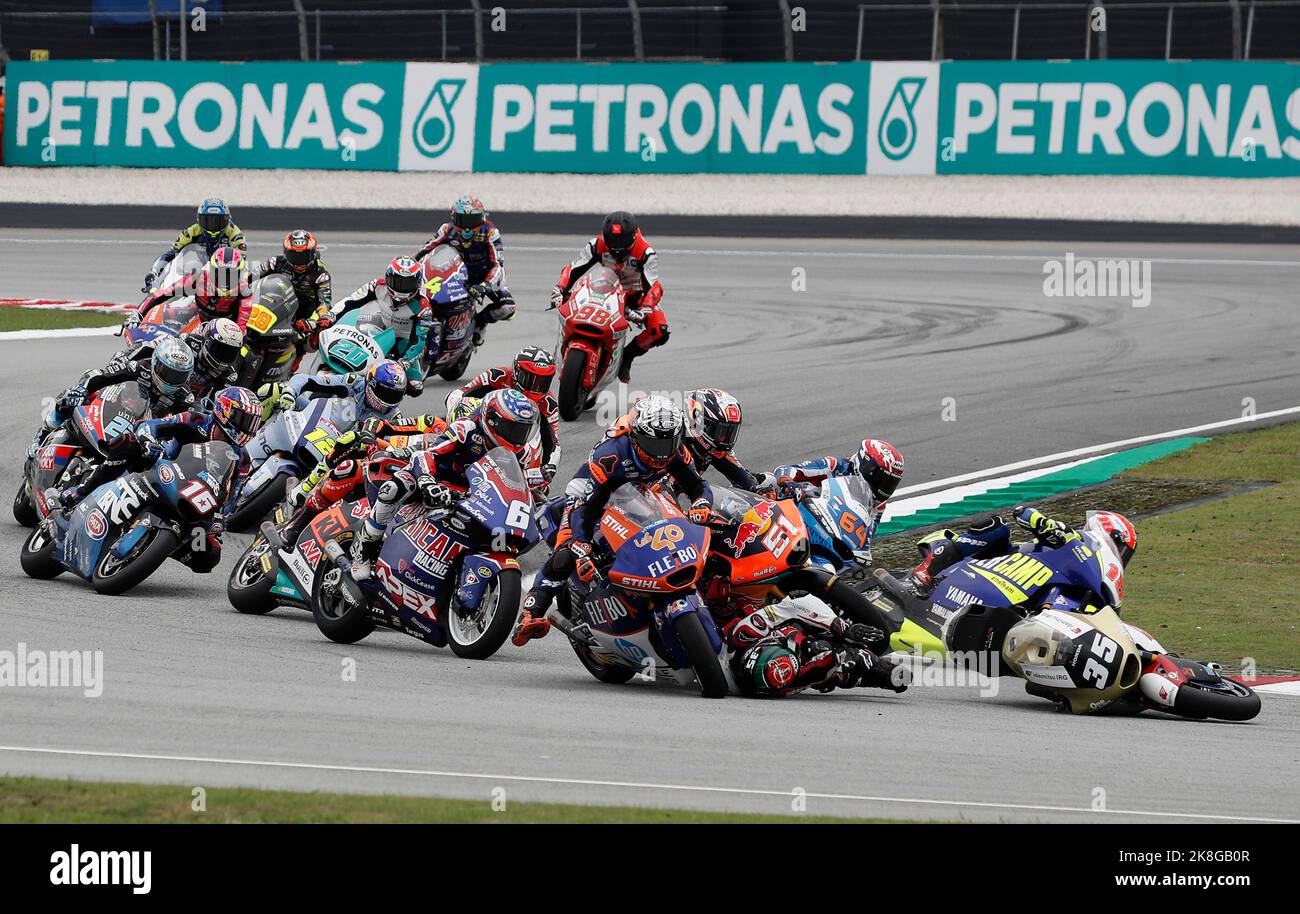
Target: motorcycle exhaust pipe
x=579 y=634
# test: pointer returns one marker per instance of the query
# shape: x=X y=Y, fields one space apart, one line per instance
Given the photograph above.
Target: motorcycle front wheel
x=37 y=558
x=704 y=661
x=571 y=395
x=24 y=510
x=249 y=587
x=478 y=634
x=113 y=576
x=1231 y=701
x=337 y=617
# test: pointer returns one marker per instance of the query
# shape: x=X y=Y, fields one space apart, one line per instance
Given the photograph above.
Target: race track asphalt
x=198 y=695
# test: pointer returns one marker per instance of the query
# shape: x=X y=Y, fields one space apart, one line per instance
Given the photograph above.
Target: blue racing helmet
x=171 y=366
x=467 y=215
x=385 y=385
x=213 y=216
x=507 y=419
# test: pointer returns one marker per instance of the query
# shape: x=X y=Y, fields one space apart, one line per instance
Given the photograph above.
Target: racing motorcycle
x=177 y=316
x=760 y=554
x=1047 y=616
x=271 y=343
x=90 y=435
x=450 y=342
x=643 y=615
x=122 y=532
x=449 y=577
x=286 y=448
x=594 y=326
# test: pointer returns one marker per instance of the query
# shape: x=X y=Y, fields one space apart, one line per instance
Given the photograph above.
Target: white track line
x=637 y=785
x=8 y=335
x=1049 y=251
x=1092 y=449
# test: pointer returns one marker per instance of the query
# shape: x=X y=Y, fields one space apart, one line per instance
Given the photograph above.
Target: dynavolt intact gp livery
x=449 y=577
x=123 y=531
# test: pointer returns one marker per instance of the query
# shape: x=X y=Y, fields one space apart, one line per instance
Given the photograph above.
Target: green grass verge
x=54 y=319
x=1216 y=581
x=45 y=801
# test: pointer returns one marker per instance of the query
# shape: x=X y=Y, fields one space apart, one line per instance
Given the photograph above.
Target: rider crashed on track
x=505 y=418
x=222 y=289
x=212 y=229
x=531 y=374
x=772 y=658
x=621 y=247
x=235 y=417
x=377 y=392
x=478 y=242
x=651 y=450
x=990 y=537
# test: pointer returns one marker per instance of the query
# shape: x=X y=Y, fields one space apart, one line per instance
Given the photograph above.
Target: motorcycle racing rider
x=531 y=373
x=651 y=450
x=771 y=657
x=216 y=346
x=212 y=229
x=377 y=392
x=402 y=310
x=301 y=262
x=505 y=418
x=478 y=242
x=235 y=417
x=621 y=247
x=344 y=471
x=990 y=537
x=222 y=289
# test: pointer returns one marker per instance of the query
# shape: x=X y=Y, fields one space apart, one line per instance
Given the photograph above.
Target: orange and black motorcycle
x=759 y=554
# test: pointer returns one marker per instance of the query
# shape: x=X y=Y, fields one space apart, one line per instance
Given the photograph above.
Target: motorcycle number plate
x=261 y=319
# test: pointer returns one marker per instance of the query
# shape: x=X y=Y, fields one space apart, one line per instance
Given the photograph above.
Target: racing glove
x=298 y=495
x=1051 y=533
x=132 y=319
x=548 y=472
x=584 y=565
x=149 y=280
x=70 y=399
x=414 y=387
x=557 y=297
x=286 y=402
x=700 y=511
x=433 y=493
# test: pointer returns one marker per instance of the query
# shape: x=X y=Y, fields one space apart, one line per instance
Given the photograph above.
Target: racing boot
x=533 y=623
x=630 y=353
x=860 y=667
x=365 y=549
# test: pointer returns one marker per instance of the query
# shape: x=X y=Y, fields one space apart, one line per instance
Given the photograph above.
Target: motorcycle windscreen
x=499 y=498
x=445 y=277
x=114 y=413
x=850 y=508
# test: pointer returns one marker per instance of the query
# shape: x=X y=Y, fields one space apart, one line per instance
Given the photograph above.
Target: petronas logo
x=434 y=127
x=897 y=133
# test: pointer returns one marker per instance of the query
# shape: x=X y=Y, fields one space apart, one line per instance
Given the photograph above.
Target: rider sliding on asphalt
x=651 y=450
x=990 y=537
x=505 y=418
x=478 y=242
x=621 y=247
x=531 y=374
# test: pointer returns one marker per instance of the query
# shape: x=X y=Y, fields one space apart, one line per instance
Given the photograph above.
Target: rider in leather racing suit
x=505 y=418
x=377 y=392
x=621 y=247
x=221 y=289
x=402 y=309
x=478 y=242
x=990 y=537
x=212 y=229
x=343 y=473
x=772 y=657
x=651 y=450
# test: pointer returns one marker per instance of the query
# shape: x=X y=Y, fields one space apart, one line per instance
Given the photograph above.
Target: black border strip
x=939 y=228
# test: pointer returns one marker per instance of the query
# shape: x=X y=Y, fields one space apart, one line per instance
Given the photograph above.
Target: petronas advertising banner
x=987 y=117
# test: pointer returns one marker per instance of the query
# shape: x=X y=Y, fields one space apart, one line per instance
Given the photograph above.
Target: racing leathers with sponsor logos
x=623 y=249
x=351 y=386
x=311 y=284
x=773 y=655
x=503 y=378
x=484 y=259
x=613 y=463
x=408 y=318
x=230 y=236
x=134 y=364
x=355 y=457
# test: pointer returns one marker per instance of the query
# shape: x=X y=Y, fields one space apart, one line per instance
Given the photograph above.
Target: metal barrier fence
x=592 y=30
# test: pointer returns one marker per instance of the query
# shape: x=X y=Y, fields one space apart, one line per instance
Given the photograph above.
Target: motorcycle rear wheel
x=571 y=395
x=113 y=576
x=457 y=368
x=1238 y=702
x=704 y=661
x=37 y=557
x=249 y=587
x=24 y=510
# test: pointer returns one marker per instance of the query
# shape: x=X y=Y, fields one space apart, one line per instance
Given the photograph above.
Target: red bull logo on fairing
x=755 y=522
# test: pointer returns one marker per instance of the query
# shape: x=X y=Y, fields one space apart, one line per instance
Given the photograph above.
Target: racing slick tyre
x=24 y=510
x=571 y=395
x=252 y=512
x=37 y=556
x=478 y=634
x=457 y=368
x=249 y=587
x=704 y=661
x=338 y=618
x=1231 y=701
x=845 y=600
x=113 y=576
